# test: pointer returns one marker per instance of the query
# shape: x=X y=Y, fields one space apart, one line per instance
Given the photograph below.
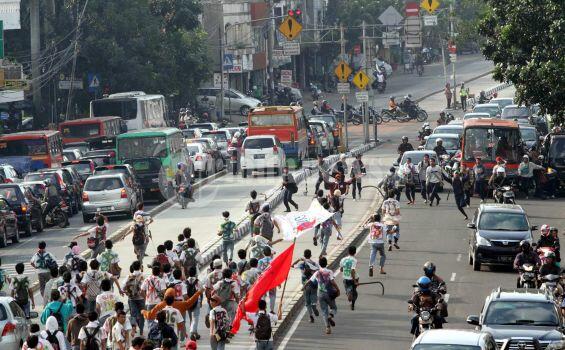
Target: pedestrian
x=61 y=311
x=53 y=335
x=169 y=251
x=357 y=172
x=213 y=277
x=92 y=336
x=457 y=183
x=73 y=259
x=308 y=267
x=410 y=175
x=250 y=276
x=111 y=321
x=422 y=167
x=75 y=325
x=21 y=290
x=109 y=260
x=3 y=279
x=290 y=188
x=70 y=291
x=96 y=236
x=92 y=282
x=336 y=202
x=448 y=95
x=173 y=317
x=433 y=181
x=326 y=230
x=391 y=183
x=479 y=173
x=160 y=331
x=266 y=223
x=43 y=262
x=391 y=213
x=228 y=292
x=54 y=283
x=119 y=336
x=263 y=324
x=139 y=237
x=33 y=343
x=219 y=324
x=243 y=263
x=190 y=256
x=526 y=175
x=137 y=343
x=153 y=288
x=136 y=301
x=253 y=208
x=463 y=94
x=322 y=172
x=377 y=243
x=106 y=301
x=193 y=285
x=467 y=185
x=328 y=291
x=226 y=231
x=348 y=268
x=263 y=264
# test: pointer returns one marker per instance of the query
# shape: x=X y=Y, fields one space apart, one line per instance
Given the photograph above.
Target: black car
x=524 y=316
x=150 y=176
x=84 y=167
x=29 y=216
x=65 y=183
x=8 y=224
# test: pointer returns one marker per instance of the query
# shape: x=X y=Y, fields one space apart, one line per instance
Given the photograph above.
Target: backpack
x=160 y=293
x=156 y=333
x=133 y=287
x=266 y=226
x=52 y=338
x=224 y=291
x=254 y=207
x=91 y=343
x=263 y=328
x=75 y=262
x=162 y=259
x=58 y=316
x=227 y=230
x=138 y=237
x=222 y=324
x=93 y=286
x=21 y=291
x=189 y=259
x=191 y=287
x=45 y=261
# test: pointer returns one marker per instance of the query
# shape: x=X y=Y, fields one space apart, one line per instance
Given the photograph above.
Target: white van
x=262 y=153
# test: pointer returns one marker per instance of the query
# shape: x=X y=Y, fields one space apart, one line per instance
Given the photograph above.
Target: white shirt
x=150 y=286
x=180 y=289
x=376 y=232
x=254 y=316
x=119 y=335
x=126 y=326
x=172 y=255
x=433 y=174
x=106 y=301
x=174 y=318
x=70 y=291
x=100 y=335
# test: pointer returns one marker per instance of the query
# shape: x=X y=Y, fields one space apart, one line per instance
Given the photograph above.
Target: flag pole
x=279 y=313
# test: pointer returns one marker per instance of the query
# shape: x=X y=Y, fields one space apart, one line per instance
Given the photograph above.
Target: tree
x=526 y=41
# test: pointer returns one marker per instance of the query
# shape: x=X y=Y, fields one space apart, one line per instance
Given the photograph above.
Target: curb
x=419 y=99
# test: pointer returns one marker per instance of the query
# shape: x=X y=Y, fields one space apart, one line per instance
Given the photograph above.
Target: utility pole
x=222 y=55
x=442 y=44
x=452 y=36
x=270 y=46
x=366 y=69
x=35 y=44
x=344 y=97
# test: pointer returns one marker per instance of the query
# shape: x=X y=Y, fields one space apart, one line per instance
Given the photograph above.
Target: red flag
x=272 y=277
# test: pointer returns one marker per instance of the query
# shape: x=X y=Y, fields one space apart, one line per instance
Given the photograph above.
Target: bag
x=222 y=324
x=115 y=270
x=189 y=259
x=332 y=291
x=45 y=261
x=160 y=293
x=92 y=242
x=138 y=237
x=227 y=230
x=93 y=285
x=133 y=287
x=58 y=316
x=292 y=187
x=91 y=342
x=263 y=328
x=22 y=291
x=191 y=290
x=75 y=262
x=266 y=225
x=224 y=291
x=156 y=334
x=52 y=338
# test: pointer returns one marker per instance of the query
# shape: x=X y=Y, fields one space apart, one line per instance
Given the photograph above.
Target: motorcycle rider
x=483 y=97
x=392 y=106
x=526 y=256
x=181 y=179
x=424 y=297
x=408 y=106
x=437 y=282
x=315 y=110
x=404 y=146
x=326 y=108
x=439 y=149
x=426 y=130
x=550 y=265
x=549 y=239
x=442 y=120
x=51 y=196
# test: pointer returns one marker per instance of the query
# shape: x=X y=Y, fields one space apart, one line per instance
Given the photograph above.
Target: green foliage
x=526 y=41
x=469 y=14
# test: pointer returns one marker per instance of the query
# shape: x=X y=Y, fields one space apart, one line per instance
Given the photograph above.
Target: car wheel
x=40 y=226
x=244 y=173
x=86 y=218
x=16 y=236
x=244 y=110
x=476 y=263
x=28 y=228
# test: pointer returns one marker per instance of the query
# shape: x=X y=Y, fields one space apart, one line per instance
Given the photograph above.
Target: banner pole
x=279 y=313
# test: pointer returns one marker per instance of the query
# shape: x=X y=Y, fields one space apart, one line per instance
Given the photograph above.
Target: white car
x=202 y=159
x=14 y=325
x=221 y=137
x=262 y=153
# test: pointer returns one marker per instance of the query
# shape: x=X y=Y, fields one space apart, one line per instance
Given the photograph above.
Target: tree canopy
x=526 y=41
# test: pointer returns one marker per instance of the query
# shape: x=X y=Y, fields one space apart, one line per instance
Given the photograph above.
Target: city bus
x=86 y=129
x=137 y=109
x=287 y=123
x=488 y=139
x=32 y=150
x=154 y=154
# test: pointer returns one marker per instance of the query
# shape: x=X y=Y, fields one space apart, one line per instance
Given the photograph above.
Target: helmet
x=427 y=127
x=553 y=229
x=426 y=124
x=544 y=230
x=409 y=96
x=429 y=268
x=442 y=113
x=525 y=246
x=424 y=283
x=316 y=103
x=391 y=97
x=549 y=255
x=179 y=165
x=404 y=138
x=499 y=159
x=438 y=140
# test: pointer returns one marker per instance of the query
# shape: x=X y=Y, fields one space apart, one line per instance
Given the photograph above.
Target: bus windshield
x=81 y=130
x=489 y=143
x=142 y=147
x=272 y=120
x=32 y=147
x=127 y=109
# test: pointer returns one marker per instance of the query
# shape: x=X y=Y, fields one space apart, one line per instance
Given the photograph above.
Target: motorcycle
x=316 y=92
x=232 y=151
x=374 y=116
x=56 y=216
x=504 y=195
x=551 y=286
x=183 y=195
x=425 y=318
x=542 y=251
x=527 y=276
x=420 y=69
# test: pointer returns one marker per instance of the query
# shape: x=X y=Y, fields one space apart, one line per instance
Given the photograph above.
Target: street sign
x=286 y=76
x=237 y=68
x=413 y=32
x=290 y=28
x=390 y=17
x=429 y=5
x=453 y=57
x=430 y=20
x=362 y=96
x=342 y=71
x=93 y=82
x=343 y=88
x=291 y=48
x=361 y=80
x=228 y=61
x=16 y=84
x=391 y=39
x=412 y=9
x=218 y=80
x=452 y=47
x=68 y=84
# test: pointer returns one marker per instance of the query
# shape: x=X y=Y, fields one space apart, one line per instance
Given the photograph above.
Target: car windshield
x=41 y=177
x=503 y=102
x=203 y=126
x=328 y=119
x=189 y=133
x=415 y=157
x=193 y=149
x=515 y=112
x=317 y=127
x=10 y=194
x=81 y=130
x=272 y=120
x=445 y=347
x=475 y=116
x=528 y=134
x=258 y=143
x=521 y=313
x=557 y=148
x=492 y=111
x=81 y=168
x=448 y=143
x=142 y=147
x=109 y=171
x=33 y=147
x=503 y=221
x=489 y=143
x=127 y=109
x=151 y=165
x=458 y=131
x=103 y=184
x=216 y=136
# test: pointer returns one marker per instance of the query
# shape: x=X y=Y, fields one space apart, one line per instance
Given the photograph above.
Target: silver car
x=444 y=339
x=234 y=101
x=109 y=195
x=14 y=324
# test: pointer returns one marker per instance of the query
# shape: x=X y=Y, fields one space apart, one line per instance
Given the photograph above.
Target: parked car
x=234 y=101
x=497 y=230
x=72 y=154
x=461 y=339
x=8 y=224
x=451 y=142
x=84 y=167
x=29 y=217
x=9 y=173
x=202 y=159
x=109 y=195
x=127 y=170
x=14 y=324
x=491 y=108
x=528 y=314
x=262 y=153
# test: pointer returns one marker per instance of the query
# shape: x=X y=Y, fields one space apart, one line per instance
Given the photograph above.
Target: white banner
x=296 y=223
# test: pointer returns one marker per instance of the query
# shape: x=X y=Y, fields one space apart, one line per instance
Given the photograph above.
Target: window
x=272 y=120
x=11 y=195
x=258 y=143
x=81 y=130
x=30 y=147
x=503 y=221
x=4 y=205
x=142 y=147
x=522 y=313
x=126 y=109
x=489 y=143
x=103 y=184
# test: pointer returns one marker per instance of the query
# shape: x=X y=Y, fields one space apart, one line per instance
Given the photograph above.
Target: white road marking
x=292 y=329
x=453 y=276
x=459 y=257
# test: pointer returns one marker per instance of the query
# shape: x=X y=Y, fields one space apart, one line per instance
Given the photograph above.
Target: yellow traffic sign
x=361 y=80
x=429 y=5
x=290 y=28
x=342 y=71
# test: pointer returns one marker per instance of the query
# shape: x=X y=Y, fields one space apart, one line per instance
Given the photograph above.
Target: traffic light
x=296 y=14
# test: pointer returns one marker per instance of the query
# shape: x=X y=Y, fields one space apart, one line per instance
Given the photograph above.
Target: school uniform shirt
x=250 y=276
x=179 y=287
x=173 y=256
x=107 y=258
x=35 y=261
x=106 y=301
x=433 y=174
x=91 y=326
x=254 y=316
x=322 y=277
x=348 y=264
x=376 y=233
x=109 y=325
x=70 y=291
x=118 y=336
x=150 y=286
x=212 y=278
x=174 y=318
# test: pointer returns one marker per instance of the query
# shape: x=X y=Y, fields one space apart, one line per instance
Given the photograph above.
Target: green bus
x=154 y=154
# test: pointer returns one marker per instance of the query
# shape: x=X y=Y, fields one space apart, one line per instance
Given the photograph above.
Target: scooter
x=232 y=151
x=527 y=276
x=56 y=216
x=504 y=195
x=551 y=286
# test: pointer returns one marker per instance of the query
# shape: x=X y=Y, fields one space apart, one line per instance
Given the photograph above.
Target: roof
x=451 y=336
x=149 y=132
x=424 y=151
x=444 y=136
x=449 y=126
x=486 y=122
x=87 y=120
x=520 y=294
x=494 y=105
x=260 y=137
x=274 y=109
x=36 y=134
x=106 y=176
x=516 y=106
x=496 y=207
x=502 y=99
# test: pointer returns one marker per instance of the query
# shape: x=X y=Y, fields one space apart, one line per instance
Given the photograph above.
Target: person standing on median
x=228 y=238
x=290 y=188
x=43 y=262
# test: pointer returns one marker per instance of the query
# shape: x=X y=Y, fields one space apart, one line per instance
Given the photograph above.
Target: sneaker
x=383 y=272
x=315 y=241
x=352 y=307
x=316 y=312
x=331 y=320
x=425 y=201
x=287 y=211
x=437 y=202
x=328 y=330
x=431 y=203
x=370 y=271
x=396 y=246
x=311 y=319
x=389 y=248
x=482 y=201
x=207 y=322
x=296 y=207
